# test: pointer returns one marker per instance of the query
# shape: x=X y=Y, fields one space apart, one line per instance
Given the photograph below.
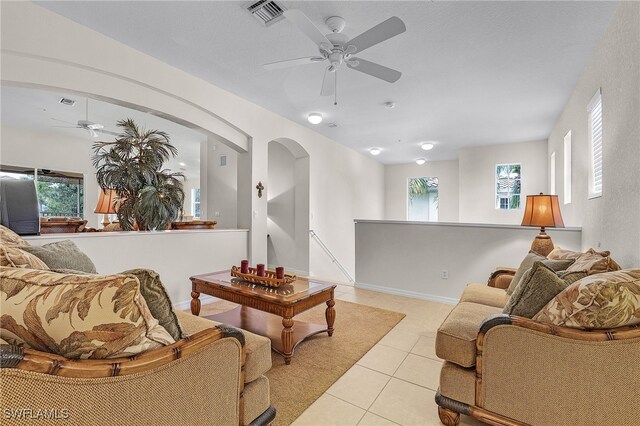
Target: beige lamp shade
x=543 y=211
x=106 y=202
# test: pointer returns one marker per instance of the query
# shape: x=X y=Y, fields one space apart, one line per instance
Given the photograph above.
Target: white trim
x=459 y=224
x=408 y=293
x=181 y=306
x=128 y=234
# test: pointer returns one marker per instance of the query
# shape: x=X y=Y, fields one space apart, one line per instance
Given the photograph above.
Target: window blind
x=595 y=139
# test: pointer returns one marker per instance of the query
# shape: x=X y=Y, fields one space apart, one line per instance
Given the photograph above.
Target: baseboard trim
x=180 y=306
x=407 y=293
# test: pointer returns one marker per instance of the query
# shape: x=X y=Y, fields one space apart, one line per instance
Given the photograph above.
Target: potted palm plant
x=149 y=197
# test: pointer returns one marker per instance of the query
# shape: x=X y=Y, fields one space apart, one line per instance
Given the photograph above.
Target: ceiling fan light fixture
x=315 y=118
x=421 y=161
x=427 y=146
x=375 y=151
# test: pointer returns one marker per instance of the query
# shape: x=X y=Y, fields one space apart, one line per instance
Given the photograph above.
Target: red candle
x=279 y=272
x=244 y=266
x=260 y=269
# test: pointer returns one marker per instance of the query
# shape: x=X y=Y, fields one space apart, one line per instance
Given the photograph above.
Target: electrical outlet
x=444 y=274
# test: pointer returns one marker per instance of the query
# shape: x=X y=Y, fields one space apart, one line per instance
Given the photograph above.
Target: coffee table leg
x=330 y=314
x=287 y=339
x=195 y=303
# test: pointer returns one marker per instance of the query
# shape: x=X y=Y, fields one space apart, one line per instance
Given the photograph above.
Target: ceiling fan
x=338 y=49
x=89 y=126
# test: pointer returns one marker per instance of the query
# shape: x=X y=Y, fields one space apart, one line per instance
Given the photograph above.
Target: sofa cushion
x=13 y=257
x=600 y=301
x=536 y=288
x=456 y=337
x=257 y=348
x=256 y=399
x=77 y=316
x=63 y=255
x=158 y=301
x=594 y=263
x=458 y=383
x=529 y=260
x=10 y=238
x=485 y=295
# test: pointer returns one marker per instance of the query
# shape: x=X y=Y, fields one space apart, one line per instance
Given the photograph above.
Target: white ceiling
x=474 y=73
x=40 y=110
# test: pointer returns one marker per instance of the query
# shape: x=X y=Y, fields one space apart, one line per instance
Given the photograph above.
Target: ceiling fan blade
x=381 y=32
x=304 y=24
x=328 y=83
x=375 y=70
x=108 y=132
x=293 y=62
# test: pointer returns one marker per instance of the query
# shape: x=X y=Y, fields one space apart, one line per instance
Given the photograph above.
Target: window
x=508 y=186
x=422 y=199
x=195 y=202
x=567 y=168
x=595 y=144
x=552 y=171
x=60 y=194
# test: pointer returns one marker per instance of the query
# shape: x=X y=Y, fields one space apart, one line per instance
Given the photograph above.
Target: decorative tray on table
x=269 y=280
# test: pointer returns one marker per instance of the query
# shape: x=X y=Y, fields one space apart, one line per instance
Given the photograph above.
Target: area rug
x=320 y=360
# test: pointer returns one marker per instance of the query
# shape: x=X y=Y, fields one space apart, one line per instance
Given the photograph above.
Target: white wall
x=191 y=253
x=395 y=188
x=31 y=148
x=45 y=49
x=611 y=222
x=478 y=185
x=407 y=258
x=222 y=185
x=281 y=209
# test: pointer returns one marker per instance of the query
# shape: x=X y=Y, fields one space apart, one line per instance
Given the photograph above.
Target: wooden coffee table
x=268 y=311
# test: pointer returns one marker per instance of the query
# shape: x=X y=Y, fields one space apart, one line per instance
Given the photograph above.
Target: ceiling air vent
x=67 y=101
x=267 y=12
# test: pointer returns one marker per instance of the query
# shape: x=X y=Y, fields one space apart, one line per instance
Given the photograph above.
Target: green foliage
x=148 y=195
x=422 y=186
x=60 y=199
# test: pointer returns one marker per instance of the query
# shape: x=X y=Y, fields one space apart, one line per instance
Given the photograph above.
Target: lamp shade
x=106 y=202
x=542 y=211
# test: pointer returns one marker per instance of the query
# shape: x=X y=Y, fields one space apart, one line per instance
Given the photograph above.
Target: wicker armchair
x=198 y=380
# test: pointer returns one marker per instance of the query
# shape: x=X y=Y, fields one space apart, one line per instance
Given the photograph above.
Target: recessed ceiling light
x=427 y=146
x=390 y=104
x=182 y=164
x=375 y=151
x=315 y=118
x=67 y=101
x=420 y=161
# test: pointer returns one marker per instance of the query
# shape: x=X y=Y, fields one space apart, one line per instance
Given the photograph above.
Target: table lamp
x=106 y=204
x=543 y=211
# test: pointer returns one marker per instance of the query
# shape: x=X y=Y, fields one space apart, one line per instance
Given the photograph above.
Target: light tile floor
x=396 y=381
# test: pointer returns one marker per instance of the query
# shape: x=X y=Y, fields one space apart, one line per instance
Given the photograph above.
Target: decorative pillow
x=10 y=238
x=527 y=263
x=537 y=287
x=63 y=255
x=594 y=263
x=600 y=301
x=13 y=257
x=572 y=276
x=77 y=316
x=559 y=253
x=155 y=294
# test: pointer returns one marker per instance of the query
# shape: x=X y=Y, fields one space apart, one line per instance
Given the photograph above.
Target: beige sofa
x=509 y=370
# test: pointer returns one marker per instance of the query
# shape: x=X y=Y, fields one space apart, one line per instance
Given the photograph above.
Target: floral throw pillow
x=14 y=257
x=594 y=263
x=10 y=238
x=77 y=316
x=600 y=301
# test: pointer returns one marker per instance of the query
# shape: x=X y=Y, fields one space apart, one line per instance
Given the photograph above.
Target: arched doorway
x=288 y=206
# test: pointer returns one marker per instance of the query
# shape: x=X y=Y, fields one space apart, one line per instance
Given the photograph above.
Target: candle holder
x=269 y=279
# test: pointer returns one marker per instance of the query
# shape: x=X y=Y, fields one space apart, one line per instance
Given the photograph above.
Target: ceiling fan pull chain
x=335 y=94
